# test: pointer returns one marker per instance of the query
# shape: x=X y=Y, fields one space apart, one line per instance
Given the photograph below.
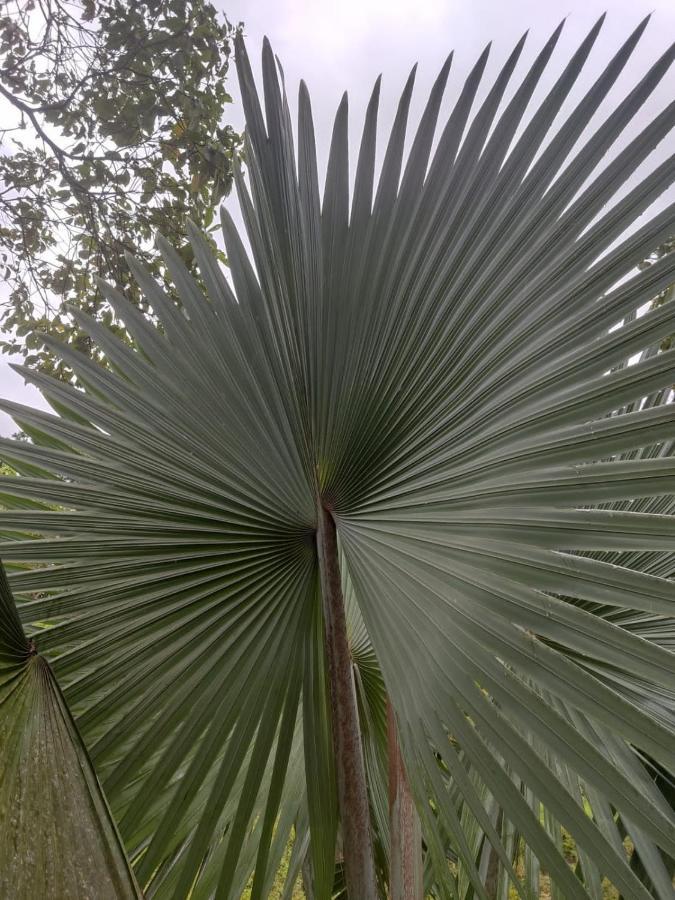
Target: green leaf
x=441 y=360
x=57 y=836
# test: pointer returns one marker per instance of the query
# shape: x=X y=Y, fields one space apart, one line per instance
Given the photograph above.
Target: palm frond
x=434 y=360
x=57 y=836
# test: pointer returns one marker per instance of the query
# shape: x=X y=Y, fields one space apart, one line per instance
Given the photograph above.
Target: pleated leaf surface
x=433 y=355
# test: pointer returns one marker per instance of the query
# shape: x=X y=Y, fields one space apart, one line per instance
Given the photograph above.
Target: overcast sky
x=337 y=46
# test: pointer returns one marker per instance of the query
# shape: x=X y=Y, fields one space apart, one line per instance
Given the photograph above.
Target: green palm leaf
x=432 y=362
x=57 y=836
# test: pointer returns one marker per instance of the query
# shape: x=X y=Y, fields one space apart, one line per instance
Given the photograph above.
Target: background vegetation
x=118 y=130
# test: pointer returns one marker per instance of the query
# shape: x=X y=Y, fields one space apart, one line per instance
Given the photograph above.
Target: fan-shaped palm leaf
x=55 y=826
x=427 y=367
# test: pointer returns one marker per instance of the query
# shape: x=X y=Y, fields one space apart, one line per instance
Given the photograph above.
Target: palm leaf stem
x=406 y=871
x=349 y=761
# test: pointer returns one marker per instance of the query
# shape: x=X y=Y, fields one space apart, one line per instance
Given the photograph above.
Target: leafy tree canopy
x=118 y=134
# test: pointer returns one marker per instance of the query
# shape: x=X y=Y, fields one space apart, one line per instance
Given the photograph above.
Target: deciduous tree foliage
x=431 y=363
x=118 y=132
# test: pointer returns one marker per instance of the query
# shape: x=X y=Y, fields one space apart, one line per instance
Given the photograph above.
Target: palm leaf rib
x=433 y=359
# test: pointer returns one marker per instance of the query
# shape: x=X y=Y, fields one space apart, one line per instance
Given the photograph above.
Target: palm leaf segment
x=56 y=831
x=427 y=356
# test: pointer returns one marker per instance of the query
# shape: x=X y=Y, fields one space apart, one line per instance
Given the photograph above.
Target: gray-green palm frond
x=432 y=359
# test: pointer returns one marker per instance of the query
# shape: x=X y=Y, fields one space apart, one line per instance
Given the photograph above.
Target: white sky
x=337 y=46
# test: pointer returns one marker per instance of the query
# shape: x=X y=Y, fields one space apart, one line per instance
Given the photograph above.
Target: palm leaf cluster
x=430 y=355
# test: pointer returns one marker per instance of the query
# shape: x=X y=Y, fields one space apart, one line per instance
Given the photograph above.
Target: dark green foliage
x=118 y=134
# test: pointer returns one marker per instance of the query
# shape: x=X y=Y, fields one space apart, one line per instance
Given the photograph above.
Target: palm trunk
x=406 y=875
x=491 y=862
x=351 y=774
x=492 y=875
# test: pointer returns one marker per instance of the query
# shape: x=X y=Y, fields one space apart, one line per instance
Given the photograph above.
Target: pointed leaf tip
x=560 y=26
